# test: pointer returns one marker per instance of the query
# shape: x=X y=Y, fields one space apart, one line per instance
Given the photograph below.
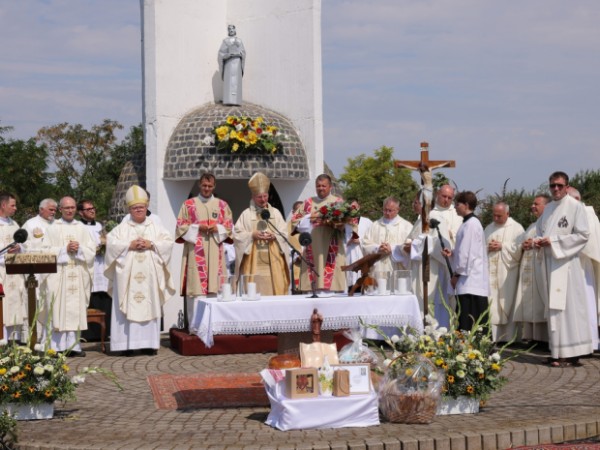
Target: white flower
x=460 y=358
x=208 y=140
x=49 y=368
x=38 y=347
x=460 y=373
x=38 y=370
x=395 y=338
x=395 y=354
x=3 y=342
x=387 y=362
x=14 y=369
x=442 y=330
x=495 y=356
x=78 y=379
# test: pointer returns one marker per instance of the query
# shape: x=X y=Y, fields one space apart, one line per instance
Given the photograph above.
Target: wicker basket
x=410 y=407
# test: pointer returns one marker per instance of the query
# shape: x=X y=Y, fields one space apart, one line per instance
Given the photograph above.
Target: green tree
x=88 y=162
x=518 y=201
x=23 y=172
x=587 y=182
x=370 y=179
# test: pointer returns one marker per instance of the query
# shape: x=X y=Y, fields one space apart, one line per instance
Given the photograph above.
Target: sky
x=508 y=89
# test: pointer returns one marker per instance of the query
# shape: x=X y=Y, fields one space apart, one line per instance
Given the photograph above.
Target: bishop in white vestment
x=137 y=266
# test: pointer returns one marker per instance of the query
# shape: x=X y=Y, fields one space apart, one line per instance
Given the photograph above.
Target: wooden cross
x=425 y=166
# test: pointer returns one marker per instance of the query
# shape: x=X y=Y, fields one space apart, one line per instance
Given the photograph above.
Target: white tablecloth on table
x=359 y=410
x=288 y=314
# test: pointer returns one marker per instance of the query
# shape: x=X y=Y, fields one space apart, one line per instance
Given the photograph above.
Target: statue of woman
x=232 y=56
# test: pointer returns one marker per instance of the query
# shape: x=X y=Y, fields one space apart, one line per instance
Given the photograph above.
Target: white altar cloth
x=291 y=313
x=359 y=410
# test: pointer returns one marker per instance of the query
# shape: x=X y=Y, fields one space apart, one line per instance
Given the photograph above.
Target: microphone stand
x=266 y=215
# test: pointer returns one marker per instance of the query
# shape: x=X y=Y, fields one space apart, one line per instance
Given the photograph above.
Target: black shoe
x=127 y=353
x=149 y=351
x=80 y=354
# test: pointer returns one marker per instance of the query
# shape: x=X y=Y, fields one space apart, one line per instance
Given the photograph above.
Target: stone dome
x=190 y=151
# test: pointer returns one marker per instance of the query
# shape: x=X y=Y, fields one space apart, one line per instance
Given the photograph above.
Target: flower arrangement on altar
x=37 y=376
x=469 y=359
x=245 y=134
x=339 y=212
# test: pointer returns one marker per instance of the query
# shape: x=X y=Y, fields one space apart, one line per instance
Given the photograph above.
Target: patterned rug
x=207 y=390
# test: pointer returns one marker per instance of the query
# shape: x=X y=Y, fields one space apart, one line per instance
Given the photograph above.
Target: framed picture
x=360 y=377
x=301 y=383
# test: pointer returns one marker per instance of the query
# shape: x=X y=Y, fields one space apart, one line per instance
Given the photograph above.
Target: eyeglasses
x=557 y=186
x=89 y=209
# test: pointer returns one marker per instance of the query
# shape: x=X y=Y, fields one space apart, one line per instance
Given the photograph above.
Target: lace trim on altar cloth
x=300 y=325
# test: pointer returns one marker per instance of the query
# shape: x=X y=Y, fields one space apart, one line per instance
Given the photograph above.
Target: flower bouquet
x=469 y=359
x=338 y=213
x=245 y=134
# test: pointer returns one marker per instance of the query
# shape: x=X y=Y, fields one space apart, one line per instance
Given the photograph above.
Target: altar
x=291 y=314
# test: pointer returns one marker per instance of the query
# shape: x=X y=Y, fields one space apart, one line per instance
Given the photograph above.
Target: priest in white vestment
x=260 y=246
x=387 y=236
x=530 y=312
x=14 y=305
x=504 y=256
x=66 y=293
x=137 y=266
x=36 y=226
x=448 y=223
x=563 y=232
x=590 y=260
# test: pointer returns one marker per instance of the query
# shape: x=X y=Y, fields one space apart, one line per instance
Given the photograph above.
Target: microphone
x=305 y=239
x=434 y=223
x=265 y=214
x=19 y=237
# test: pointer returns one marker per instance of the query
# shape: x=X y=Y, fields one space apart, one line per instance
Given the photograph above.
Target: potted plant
x=31 y=380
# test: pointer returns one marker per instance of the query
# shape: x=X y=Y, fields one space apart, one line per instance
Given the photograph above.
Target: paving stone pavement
x=539 y=404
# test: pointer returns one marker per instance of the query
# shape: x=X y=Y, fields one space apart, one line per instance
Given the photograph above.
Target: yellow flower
x=450 y=379
x=16 y=394
x=222 y=132
x=252 y=138
x=2 y=370
x=470 y=389
x=429 y=354
x=496 y=367
x=408 y=372
x=472 y=355
x=259 y=120
x=230 y=120
x=439 y=362
x=65 y=367
x=51 y=352
x=235 y=147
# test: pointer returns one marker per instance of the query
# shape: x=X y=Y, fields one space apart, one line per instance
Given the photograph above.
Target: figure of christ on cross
x=425 y=166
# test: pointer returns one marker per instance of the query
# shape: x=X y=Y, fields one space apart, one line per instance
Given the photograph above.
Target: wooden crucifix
x=425 y=166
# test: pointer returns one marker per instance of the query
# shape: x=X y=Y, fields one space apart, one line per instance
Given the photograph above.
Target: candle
x=402 y=286
x=251 y=290
x=225 y=290
x=381 y=286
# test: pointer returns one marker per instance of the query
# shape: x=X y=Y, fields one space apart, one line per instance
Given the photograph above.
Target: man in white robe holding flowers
x=563 y=232
x=137 y=258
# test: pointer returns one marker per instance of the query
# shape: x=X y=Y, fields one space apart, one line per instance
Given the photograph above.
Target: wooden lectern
x=29 y=264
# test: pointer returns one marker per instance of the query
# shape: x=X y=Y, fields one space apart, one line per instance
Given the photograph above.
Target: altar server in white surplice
x=590 y=260
x=355 y=231
x=137 y=266
x=387 y=236
x=563 y=232
x=66 y=293
x=504 y=256
x=530 y=312
x=14 y=305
